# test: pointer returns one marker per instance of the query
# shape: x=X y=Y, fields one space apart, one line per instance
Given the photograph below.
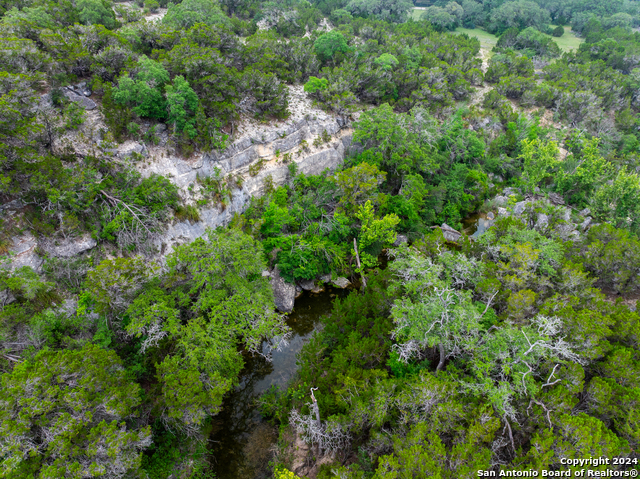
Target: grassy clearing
x=487 y=40
x=568 y=42
x=416 y=12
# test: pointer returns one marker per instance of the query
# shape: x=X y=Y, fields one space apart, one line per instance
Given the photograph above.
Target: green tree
x=613 y=256
x=430 y=312
x=540 y=161
x=386 y=61
x=582 y=174
x=182 y=103
x=519 y=14
x=228 y=302
x=388 y=10
x=144 y=94
x=374 y=231
x=96 y=12
x=401 y=143
x=358 y=184
x=186 y=14
x=65 y=413
x=314 y=85
x=618 y=201
x=422 y=453
x=329 y=44
x=439 y=18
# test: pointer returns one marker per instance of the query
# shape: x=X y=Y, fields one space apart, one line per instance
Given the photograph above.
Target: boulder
x=81 y=100
x=341 y=282
x=306 y=284
x=24 y=251
x=400 y=239
x=491 y=216
x=500 y=200
x=503 y=212
x=586 y=223
x=129 y=148
x=543 y=221
x=519 y=207
x=6 y=297
x=325 y=278
x=556 y=199
x=68 y=247
x=284 y=294
x=585 y=212
x=81 y=89
x=449 y=233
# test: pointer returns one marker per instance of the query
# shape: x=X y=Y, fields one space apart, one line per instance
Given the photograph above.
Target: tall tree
x=64 y=414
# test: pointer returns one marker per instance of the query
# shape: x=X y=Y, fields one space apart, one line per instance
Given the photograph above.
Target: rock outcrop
x=23 y=252
x=284 y=294
x=258 y=160
x=341 y=282
x=449 y=233
x=68 y=247
x=83 y=101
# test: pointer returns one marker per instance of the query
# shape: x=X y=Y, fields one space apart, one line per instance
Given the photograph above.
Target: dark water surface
x=240 y=439
x=476 y=224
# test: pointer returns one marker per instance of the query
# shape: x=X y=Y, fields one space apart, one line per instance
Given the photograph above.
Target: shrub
x=557 y=32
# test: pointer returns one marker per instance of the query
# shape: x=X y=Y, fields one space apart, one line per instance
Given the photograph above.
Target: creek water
x=476 y=224
x=240 y=439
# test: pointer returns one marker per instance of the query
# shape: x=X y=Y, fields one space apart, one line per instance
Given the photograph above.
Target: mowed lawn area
x=567 y=42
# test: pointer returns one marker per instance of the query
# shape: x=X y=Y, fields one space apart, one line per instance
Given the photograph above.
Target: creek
x=476 y=224
x=240 y=439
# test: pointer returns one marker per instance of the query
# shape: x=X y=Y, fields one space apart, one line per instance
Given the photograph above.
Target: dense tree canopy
x=483 y=205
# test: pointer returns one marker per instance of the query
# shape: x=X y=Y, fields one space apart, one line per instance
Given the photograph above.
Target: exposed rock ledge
x=237 y=159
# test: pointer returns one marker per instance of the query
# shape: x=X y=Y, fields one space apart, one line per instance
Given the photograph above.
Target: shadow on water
x=240 y=439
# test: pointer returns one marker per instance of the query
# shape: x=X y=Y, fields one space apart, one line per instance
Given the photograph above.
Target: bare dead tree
x=364 y=280
x=137 y=226
x=329 y=437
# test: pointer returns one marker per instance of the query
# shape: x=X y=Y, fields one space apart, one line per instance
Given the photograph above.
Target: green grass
x=416 y=12
x=487 y=40
x=568 y=42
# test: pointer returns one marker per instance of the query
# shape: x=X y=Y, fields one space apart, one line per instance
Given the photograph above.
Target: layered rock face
x=256 y=158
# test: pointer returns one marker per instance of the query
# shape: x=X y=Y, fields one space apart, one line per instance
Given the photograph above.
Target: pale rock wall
x=237 y=159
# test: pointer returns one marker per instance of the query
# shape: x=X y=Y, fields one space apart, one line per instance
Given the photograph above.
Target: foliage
x=144 y=94
x=64 y=413
x=182 y=103
x=96 y=12
x=187 y=13
x=329 y=44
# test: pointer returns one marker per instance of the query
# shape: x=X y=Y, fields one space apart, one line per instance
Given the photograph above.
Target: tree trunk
x=316 y=412
x=364 y=280
x=441 y=363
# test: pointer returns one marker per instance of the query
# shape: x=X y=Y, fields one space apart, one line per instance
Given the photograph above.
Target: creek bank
x=239 y=432
x=285 y=294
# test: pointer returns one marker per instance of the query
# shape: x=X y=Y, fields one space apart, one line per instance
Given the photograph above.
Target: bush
x=152 y=5
x=557 y=32
x=187 y=213
x=329 y=44
x=94 y=12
